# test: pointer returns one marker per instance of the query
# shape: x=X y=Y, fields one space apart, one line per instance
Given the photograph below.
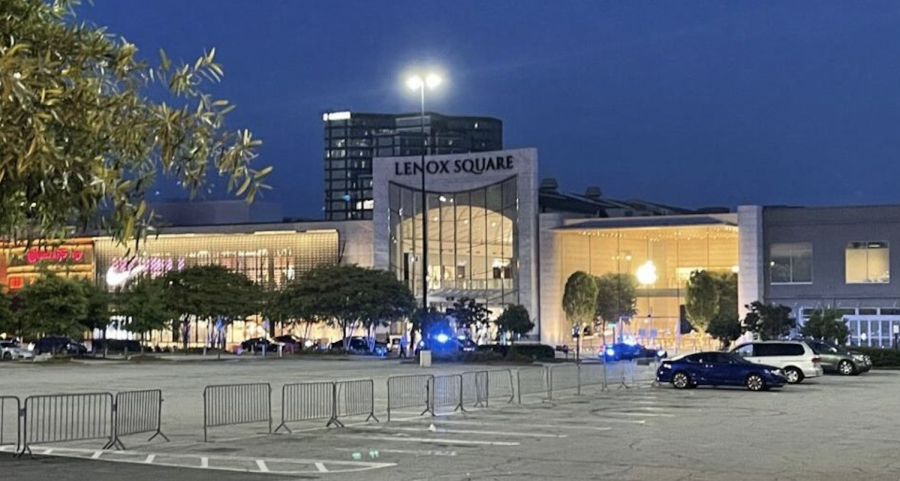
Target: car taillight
x=816 y=360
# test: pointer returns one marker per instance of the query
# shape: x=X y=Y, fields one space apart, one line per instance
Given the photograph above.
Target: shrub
x=880 y=357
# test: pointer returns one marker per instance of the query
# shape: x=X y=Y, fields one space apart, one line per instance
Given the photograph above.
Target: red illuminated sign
x=56 y=255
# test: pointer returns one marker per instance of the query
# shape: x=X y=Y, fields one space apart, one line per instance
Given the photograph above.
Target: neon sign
x=56 y=255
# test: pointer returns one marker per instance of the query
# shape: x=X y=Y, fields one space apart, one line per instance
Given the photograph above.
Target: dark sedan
x=360 y=345
x=258 y=343
x=718 y=369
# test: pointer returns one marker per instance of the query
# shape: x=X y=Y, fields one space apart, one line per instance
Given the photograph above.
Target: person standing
x=404 y=345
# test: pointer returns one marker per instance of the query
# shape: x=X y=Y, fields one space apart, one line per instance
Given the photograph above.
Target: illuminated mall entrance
x=657 y=254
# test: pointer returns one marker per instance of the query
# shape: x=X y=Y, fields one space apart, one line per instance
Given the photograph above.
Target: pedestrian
x=404 y=344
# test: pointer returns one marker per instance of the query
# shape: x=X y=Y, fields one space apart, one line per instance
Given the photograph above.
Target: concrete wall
x=829 y=230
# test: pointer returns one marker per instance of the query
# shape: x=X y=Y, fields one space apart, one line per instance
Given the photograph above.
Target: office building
x=353 y=140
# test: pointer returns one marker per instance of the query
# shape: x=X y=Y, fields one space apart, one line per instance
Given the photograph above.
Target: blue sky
x=688 y=103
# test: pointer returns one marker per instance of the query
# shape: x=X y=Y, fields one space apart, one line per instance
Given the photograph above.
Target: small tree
x=516 y=321
x=7 y=321
x=616 y=296
x=725 y=329
x=580 y=303
x=211 y=293
x=826 y=325
x=469 y=313
x=701 y=299
x=54 y=305
x=98 y=303
x=770 y=321
x=146 y=308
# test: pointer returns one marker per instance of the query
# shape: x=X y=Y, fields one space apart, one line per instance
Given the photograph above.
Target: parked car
x=795 y=358
x=290 y=342
x=360 y=345
x=115 y=345
x=258 y=343
x=57 y=345
x=718 y=369
x=623 y=351
x=838 y=359
x=10 y=350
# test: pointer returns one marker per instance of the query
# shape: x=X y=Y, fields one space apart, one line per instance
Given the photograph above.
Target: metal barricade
x=532 y=380
x=564 y=377
x=592 y=374
x=355 y=398
x=618 y=374
x=500 y=385
x=230 y=404
x=67 y=417
x=447 y=391
x=643 y=371
x=137 y=412
x=10 y=426
x=475 y=388
x=307 y=401
x=409 y=391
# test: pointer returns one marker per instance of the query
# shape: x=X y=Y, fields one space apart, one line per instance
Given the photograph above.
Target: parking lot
x=827 y=428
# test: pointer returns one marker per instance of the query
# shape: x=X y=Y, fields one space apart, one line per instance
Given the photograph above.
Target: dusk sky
x=684 y=103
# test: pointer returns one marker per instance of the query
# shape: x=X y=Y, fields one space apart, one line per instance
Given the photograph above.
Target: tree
x=7 y=321
x=770 y=321
x=350 y=297
x=86 y=126
x=469 y=313
x=580 y=302
x=211 y=293
x=98 y=301
x=726 y=324
x=701 y=299
x=515 y=320
x=54 y=305
x=146 y=308
x=826 y=325
x=616 y=297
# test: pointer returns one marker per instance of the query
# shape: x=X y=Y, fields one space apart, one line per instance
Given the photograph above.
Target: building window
x=791 y=263
x=867 y=263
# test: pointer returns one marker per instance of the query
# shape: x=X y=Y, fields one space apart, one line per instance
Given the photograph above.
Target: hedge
x=880 y=357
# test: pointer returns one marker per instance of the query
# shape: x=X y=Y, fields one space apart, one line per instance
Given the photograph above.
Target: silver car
x=9 y=350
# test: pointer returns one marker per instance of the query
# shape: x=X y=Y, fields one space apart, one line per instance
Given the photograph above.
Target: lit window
x=868 y=262
x=790 y=263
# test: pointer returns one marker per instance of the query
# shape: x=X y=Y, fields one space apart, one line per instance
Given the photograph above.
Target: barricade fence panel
x=10 y=407
x=447 y=391
x=307 y=401
x=531 y=380
x=500 y=385
x=355 y=398
x=475 y=388
x=409 y=391
x=138 y=412
x=564 y=377
x=592 y=374
x=643 y=371
x=229 y=404
x=67 y=417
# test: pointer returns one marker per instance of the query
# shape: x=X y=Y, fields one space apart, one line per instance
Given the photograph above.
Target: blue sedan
x=718 y=369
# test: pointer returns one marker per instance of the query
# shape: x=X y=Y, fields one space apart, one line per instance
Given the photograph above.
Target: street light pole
x=419 y=83
x=424 y=206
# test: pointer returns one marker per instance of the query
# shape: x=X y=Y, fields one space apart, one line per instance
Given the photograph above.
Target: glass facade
x=868 y=262
x=270 y=259
x=675 y=252
x=353 y=140
x=472 y=242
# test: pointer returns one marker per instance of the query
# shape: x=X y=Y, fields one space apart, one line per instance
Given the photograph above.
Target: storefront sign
x=56 y=255
x=474 y=166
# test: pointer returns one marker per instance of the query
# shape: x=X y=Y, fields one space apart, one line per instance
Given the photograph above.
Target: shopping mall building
x=498 y=235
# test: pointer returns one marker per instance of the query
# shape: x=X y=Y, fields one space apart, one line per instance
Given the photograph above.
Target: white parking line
x=204 y=462
x=537 y=426
x=321 y=467
x=97 y=454
x=438 y=429
x=459 y=442
x=150 y=458
x=650 y=415
x=265 y=469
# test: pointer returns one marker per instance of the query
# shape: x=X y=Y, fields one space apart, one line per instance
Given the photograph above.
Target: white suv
x=795 y=358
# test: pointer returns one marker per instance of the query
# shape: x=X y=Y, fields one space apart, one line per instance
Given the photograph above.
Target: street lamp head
x=433 y=80
x=415 y=82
